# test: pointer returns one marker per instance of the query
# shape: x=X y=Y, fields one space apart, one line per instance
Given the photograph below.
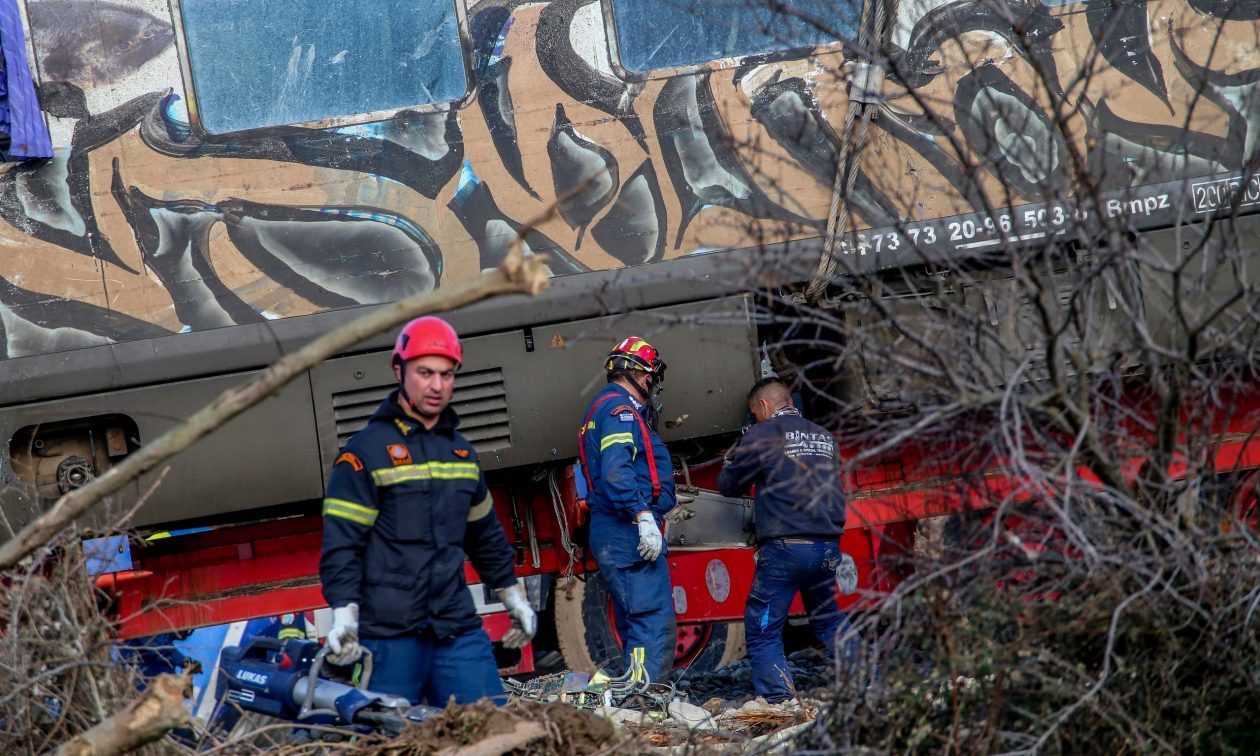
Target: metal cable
x=847 y=157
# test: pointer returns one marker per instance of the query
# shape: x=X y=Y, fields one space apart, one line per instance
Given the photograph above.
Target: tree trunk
x=158 y=710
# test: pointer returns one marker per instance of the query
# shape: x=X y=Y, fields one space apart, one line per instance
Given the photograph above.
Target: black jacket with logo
x=794 y=465
x=403 y=507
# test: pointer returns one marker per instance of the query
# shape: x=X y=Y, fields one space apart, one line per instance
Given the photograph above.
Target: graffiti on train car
x=142 y=226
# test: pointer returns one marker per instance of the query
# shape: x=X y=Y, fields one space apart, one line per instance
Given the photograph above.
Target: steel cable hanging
x=864 y=97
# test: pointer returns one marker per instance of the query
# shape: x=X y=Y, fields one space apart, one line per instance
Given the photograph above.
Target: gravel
x=811 y=668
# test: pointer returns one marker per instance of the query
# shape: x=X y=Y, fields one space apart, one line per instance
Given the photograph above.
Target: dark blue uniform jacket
x=794 y=465
x=404 y=505
x=621 y=481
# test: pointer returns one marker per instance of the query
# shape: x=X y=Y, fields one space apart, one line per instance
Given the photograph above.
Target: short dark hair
x=627 y=373
x=763 y=384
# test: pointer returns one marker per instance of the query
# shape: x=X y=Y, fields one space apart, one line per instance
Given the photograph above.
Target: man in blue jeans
x=799 y=515
x=406 y=502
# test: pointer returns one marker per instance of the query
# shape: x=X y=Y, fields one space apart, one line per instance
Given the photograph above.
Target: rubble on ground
x=521 y=727
x=756 y=725
x=527 y=728
x=569 y=713
x=711 y=711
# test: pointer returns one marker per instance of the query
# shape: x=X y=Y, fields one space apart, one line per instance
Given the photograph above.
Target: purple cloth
x=27 y=129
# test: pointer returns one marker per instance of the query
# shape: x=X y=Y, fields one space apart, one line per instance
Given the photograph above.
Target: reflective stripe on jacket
x=404 y=505
x=621 y=482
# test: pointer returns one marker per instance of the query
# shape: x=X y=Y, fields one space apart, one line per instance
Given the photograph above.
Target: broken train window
x=657 y=34
x=261 y=63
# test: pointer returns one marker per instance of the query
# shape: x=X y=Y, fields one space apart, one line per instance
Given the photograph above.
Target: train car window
x=657 y=34
x=261 y=63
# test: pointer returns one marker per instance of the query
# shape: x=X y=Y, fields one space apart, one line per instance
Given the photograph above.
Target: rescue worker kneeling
x=406 y=501
x=630 y=484
x=799 y=515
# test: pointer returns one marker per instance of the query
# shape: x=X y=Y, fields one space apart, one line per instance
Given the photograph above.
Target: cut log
x=156 y=712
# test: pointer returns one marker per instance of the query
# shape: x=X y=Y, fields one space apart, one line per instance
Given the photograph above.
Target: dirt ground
x=521 y=728
x=524 y=728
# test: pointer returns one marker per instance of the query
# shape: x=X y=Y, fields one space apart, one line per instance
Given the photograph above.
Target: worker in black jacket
x=799 y=516
x=406 y=502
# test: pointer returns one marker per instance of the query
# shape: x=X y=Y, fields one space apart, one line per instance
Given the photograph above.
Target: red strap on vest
x=647 y=441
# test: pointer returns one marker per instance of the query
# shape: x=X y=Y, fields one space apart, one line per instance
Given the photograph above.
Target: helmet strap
x=628 y=377
x=402 y=387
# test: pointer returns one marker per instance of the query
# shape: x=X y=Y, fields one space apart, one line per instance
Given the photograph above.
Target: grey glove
x=846 y=575
x=650 y=540
x=524 y=620
x=343 y=639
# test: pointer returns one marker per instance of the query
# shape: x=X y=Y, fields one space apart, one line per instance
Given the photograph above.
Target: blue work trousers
x=785 y=567
x=429 y=670
x=643 y=605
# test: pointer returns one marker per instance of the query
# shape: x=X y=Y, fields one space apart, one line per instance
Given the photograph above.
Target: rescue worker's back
x=794 y=465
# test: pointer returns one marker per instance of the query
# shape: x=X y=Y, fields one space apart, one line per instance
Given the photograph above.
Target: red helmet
x=427 y=336
x=636 y=354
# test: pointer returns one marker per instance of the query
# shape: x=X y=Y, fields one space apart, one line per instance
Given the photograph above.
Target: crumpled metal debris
x=632 y=690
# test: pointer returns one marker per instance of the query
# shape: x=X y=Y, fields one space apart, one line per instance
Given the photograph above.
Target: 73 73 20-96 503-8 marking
x=1142 y=207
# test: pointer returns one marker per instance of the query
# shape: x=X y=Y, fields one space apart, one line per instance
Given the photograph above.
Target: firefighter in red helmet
x=406 y=502
x=630 y=486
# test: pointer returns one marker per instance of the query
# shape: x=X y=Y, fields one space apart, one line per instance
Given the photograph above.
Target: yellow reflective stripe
x=483 y=509
x=291 y=632
x=390 y=476
x=348 y=510
x=455 y=470
x=616 y=438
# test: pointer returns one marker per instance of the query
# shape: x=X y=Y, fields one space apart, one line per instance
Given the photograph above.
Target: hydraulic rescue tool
x=287 y=679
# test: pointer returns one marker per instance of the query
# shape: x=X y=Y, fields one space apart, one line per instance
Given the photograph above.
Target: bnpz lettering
x=1139 y=206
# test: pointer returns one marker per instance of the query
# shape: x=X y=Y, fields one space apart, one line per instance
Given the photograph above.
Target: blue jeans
x=783 y=569
x=425 y=669
x=643 y=603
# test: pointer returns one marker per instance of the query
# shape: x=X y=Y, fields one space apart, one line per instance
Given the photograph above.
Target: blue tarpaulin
x=28 y=132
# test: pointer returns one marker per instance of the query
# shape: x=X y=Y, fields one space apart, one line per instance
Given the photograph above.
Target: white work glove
x=524 y=621
x=650 y=541
x=846 y=575
x=343 y=640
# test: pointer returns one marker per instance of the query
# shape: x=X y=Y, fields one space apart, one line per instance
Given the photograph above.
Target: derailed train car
x=231 y=178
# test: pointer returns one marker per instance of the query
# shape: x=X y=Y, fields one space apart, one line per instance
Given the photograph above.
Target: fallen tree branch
x=156 y=712
x=496 y=745
x=517 y=275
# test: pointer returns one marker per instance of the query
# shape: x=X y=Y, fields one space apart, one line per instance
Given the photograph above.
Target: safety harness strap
x=647 y=442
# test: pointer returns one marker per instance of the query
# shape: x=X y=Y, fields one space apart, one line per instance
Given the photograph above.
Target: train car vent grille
x=480 y=399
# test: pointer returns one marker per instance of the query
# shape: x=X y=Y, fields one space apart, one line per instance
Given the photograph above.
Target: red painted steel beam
x=260 y=570
x=218 y=576
x=232 y=574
